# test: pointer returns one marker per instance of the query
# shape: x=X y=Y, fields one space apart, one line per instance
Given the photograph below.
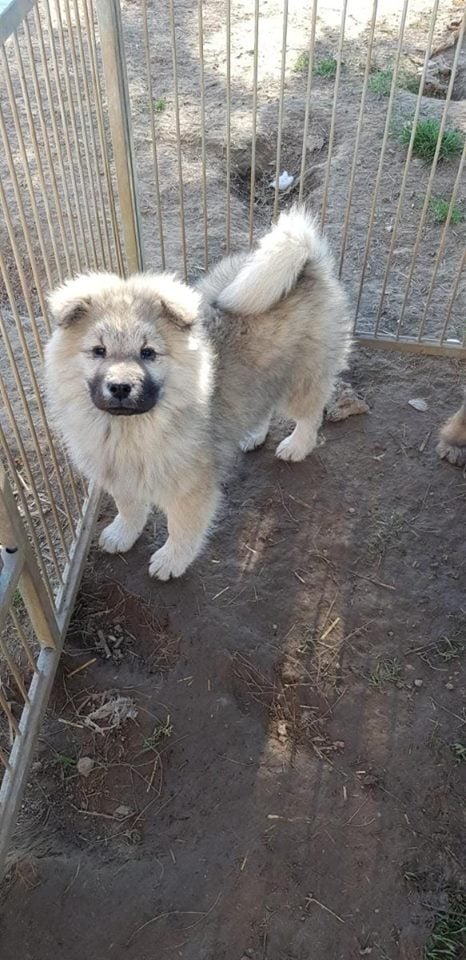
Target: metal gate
x=101 y=168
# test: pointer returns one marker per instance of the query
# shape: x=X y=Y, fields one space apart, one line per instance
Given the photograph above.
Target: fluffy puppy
x=154 y=385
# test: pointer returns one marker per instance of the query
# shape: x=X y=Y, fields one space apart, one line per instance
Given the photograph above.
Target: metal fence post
x=116 y=85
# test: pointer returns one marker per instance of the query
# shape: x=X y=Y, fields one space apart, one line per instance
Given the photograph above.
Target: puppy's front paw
x=254 y=439
x=118 y=537
x=167 y=562
x=295 y=449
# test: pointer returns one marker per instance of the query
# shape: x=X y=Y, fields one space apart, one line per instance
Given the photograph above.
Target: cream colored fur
x=263 y=333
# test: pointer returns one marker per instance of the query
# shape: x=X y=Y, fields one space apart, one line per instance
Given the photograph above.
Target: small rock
x=449 y=686
x=122 y=811
x=419 y=404
x=37 y=766
x=315 y=143
x=418 y=683
x=85 y=766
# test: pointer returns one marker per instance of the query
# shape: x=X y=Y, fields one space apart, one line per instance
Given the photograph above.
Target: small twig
x=310 y=899
x=329 y=629
x=82 y=667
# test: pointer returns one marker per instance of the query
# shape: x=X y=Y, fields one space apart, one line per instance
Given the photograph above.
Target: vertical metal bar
x=358 y=134
x=89 y=19
x=443 y=237
x=38 y=400
x=252 y=188
x=307 y=110
x=153 y=131
x=178 y=136
x=228 y=123
x=200 y=22
x=26 y=513
x=64 y=132
x=22 y=218
x=116 y=85
x=31 y=479
x=383 y=147
x=100 y=211
x=66 y=72
x=57 y=143
x=425 y=206
x=452 y=299
x=404 y=178
x=331 y=135
x=23 y=639
x=280 y=109
x=36 y=601
x=27 y=172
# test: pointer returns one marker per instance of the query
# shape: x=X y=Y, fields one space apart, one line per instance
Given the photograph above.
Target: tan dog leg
x=127 y=526
x=452 y=440
x=188 y=519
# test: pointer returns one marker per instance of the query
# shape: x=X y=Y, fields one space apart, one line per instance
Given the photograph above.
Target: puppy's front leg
x=122 y=533
x=188 y=519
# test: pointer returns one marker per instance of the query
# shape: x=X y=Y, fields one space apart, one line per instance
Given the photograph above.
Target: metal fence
x=155 y=136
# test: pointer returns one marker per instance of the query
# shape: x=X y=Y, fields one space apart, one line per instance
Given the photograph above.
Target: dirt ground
x=288 y=782
x=285 y=780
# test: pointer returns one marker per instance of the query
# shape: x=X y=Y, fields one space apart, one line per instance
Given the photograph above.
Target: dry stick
x=404 y=178
x=310 y=899
x=175 y=913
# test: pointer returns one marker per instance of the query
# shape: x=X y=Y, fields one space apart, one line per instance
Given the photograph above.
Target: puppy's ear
x=71 y=302
x=179 y=302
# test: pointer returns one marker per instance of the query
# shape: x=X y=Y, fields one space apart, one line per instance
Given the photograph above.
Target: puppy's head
x=122 y=342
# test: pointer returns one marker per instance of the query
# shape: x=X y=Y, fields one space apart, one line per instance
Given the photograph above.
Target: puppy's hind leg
x=307 y=410
x=122 y=533
x=255 y=438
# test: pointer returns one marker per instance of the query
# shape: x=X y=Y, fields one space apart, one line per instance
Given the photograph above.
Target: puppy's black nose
x=120 y=390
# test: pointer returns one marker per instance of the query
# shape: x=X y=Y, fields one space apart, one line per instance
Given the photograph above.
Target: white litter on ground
x=284 y=181
x=419 y=404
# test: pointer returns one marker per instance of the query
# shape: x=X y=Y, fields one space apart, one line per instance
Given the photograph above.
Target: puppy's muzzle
x=124 y=398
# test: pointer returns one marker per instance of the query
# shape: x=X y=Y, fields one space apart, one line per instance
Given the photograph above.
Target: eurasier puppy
x=154 y=385
x=452 y=438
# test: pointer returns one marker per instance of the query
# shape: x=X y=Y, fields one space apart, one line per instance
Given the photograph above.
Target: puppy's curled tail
x=271 y=271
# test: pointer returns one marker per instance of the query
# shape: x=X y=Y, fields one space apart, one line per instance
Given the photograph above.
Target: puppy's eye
x=147 y=353
x=99 y=352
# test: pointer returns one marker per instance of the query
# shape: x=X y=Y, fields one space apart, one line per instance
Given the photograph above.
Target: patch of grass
x=387 y=532
x=448 y=938
x=426 y=137
x=64 y=763
x=160 y=105
x=459 y=752
x=439 y=209
x=302 y=63
x=380 y=82
x=17 y=601
x=327 y=67
x=161 y=732
x=385 y=671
